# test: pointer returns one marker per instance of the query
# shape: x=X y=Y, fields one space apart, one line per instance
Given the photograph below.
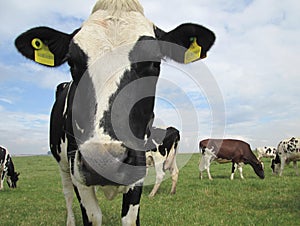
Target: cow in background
x=163 y=156
x=287 y=151
x=265 y=152
x=228 y=150
x=100 y=121
x=7 y=169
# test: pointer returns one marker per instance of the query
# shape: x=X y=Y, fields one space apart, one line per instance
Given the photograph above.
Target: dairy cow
x=101 y=120
x=163 y=156
x=266 y=152
x=287 y=151
x=228 y=150
x=7 y=169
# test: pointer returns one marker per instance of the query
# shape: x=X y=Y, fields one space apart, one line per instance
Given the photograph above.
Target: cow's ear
x=192 y=41
x=44 y=45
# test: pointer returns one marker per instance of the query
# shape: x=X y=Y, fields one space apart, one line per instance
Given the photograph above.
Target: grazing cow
x=7 y=169
x=265 y=152
x=102 y=119
x=287 y=151
x=163 y=156
x=236 y=151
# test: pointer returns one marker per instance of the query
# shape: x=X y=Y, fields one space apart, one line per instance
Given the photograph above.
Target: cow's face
x=259 y=169
x=114 y=60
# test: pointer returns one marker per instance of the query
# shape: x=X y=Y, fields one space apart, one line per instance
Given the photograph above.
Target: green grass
x=38 y=200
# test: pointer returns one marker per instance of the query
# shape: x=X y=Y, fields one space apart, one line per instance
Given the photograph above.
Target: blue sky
x=247 y=88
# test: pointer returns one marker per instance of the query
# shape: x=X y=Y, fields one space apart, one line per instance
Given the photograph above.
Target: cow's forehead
x=102 y=33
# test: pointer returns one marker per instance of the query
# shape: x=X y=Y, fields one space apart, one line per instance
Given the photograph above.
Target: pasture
x=39 y=200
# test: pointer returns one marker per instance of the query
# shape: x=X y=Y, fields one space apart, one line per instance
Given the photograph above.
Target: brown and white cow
x=228 y=150
x=7 y=169
x=101 y=119
x=287 y=151
x=163 y=156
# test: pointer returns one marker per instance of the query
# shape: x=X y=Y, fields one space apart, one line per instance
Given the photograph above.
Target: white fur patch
x=131 y=216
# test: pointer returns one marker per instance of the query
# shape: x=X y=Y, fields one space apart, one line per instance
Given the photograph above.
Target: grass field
x=38 y=200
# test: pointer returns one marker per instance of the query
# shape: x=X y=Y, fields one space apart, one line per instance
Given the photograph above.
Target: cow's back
x=226 y=148
x=289 y=149
x=58 y=122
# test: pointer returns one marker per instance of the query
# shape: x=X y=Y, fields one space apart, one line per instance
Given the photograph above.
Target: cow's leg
x=232 y=171
x=69 y=195
x=201 y=175
x=131 y=206
x=205 y=164
x=296 y=168
x=159 y=177
x=262 y=163
x=208 y=173
x=91 y=212
x=8 y=181
x=281 y=166
x=174 y=173
x=2 y=175
x=240 y=168
x=200 y=169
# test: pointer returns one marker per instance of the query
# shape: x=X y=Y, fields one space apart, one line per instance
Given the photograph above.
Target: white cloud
x=18 y=17
x=24 y=133
x=29 y=71
x=5 y=100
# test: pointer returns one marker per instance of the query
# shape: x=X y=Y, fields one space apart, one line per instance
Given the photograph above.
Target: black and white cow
x=101 y=120
x=287 y=151
x=7 y=169
x=265 y=152
x=163 y=156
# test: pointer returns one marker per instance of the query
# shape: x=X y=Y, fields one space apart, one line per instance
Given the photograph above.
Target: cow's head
x=114 y=60
x=259 y=169
x=12 y=180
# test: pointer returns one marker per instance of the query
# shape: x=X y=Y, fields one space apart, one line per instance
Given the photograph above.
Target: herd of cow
x=101 y=131
x=239 y=152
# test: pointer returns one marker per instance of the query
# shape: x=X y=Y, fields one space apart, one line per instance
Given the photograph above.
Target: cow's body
x=287 y=151
x=100 y=120
x=163 y=156
x=228 y=150
x=7 y=169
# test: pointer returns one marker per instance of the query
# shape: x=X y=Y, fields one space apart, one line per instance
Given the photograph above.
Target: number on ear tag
x=193 y=53
x=42 y=54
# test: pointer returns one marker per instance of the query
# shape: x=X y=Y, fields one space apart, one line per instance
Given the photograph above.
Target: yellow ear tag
x=193 y=53
x=42 y=53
